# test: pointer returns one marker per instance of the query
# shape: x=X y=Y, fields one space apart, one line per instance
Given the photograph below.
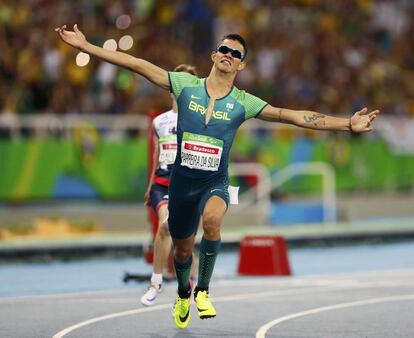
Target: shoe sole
x=147 y=304
x=207 y=316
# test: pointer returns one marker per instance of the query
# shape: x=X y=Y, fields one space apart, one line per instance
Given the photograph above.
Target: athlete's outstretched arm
x=360 y=122
x=152 y=72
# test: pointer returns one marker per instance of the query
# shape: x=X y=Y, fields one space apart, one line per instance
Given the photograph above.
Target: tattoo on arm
x=280 y=114
x=315 y=119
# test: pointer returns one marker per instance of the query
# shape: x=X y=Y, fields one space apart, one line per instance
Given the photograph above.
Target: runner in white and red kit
x=165 y=150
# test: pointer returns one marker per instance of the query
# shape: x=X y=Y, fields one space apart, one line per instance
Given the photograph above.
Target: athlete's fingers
x=75 y=28
x=373 y=113
x=60 y=30
x=363 y=111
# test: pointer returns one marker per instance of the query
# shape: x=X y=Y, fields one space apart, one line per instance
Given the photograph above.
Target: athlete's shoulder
x=252 y=104
x=184 y=75
x=184 y=79
x=164 y=117
x=241 y=95
x=238 y=94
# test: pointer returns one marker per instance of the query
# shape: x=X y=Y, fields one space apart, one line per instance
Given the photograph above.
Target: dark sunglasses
x=223 y=49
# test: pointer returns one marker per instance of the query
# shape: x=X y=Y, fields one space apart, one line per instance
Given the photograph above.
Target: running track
x=367 y=305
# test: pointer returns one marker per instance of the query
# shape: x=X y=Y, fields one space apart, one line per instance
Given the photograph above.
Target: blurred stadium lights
x=123 y=21
x=110 y=44
x=82 y=59
x=126 y=42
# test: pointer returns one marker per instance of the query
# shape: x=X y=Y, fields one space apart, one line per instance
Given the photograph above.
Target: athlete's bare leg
x=194 y=267
x=212 y=217
x=183 y=248
x=162 y=242
x=183 y=251
x=214 y=211
x=162 y=248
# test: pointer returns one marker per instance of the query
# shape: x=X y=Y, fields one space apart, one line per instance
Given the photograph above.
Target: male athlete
x=210 y=110
x=156 y=196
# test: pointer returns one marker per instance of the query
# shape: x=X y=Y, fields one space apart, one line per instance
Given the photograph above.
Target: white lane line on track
x=311 y=280
x=69 y=329
x=110 y=316
x=261 y=333
x=318 y=282
x=243 y=283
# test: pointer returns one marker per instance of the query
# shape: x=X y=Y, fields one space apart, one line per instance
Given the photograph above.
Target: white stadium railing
x=40 y=125
x=325 y=170
x=260 y=196
x=48 y=124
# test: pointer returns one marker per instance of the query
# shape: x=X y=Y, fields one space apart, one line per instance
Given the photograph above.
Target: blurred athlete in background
x=165 y=149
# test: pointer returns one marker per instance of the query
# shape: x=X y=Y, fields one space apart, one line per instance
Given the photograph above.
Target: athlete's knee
x=183 y=249
x=163 y=231
x=182 y=254
x=211 y=222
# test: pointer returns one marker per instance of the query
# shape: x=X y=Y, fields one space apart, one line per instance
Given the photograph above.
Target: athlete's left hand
x=361 y=121
x=147 y=198
x=74 y=38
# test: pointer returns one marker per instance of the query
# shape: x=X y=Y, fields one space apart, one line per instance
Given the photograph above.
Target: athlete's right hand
x=74 y=38
x=147 y=199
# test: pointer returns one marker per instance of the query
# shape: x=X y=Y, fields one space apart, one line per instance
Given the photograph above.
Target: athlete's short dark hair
x=186 y=68
x=236 y=37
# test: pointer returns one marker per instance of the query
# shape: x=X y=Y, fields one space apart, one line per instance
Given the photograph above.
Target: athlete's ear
x=213 y=55
x=241 y=66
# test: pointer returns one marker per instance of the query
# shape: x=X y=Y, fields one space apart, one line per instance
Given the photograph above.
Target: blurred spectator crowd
x=325 y=55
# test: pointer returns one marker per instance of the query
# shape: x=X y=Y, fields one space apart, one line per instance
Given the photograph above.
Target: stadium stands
x=329 y=56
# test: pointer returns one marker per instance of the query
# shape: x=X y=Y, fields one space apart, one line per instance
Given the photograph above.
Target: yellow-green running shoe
x=181 y=312
x=204 y=306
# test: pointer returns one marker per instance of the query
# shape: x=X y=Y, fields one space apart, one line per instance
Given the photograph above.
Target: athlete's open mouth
x=227 y=61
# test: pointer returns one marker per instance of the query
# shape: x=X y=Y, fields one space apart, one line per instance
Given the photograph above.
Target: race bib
x=201 y=152
x=168 y=150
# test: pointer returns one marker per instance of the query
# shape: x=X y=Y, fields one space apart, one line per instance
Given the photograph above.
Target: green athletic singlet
x=200 y=168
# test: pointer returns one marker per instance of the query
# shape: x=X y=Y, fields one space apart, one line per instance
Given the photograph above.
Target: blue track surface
x=106 y=274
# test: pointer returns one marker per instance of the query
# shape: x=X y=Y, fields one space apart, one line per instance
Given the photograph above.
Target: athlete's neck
x=218 y=83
